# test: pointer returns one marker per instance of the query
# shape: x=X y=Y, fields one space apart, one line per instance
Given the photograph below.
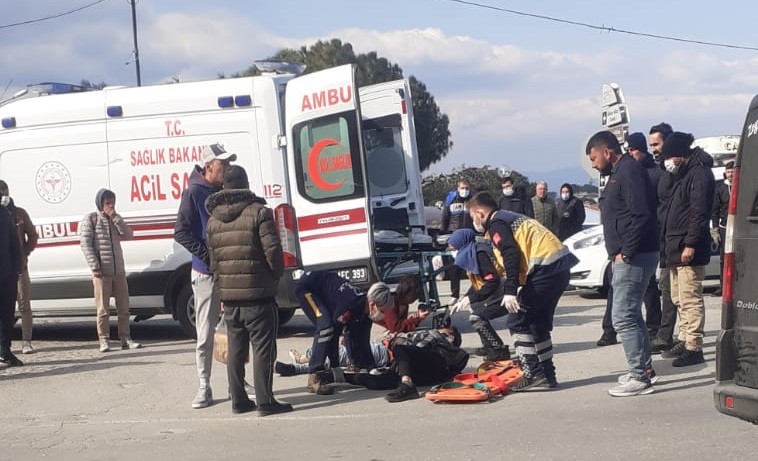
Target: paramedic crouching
x=334 y=305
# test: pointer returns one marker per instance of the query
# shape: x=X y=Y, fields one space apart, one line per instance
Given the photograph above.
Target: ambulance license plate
x=354 y=274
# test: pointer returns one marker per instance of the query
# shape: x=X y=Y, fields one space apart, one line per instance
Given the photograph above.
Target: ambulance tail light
x=404 y=107
x=284 y=217
x=728 y=275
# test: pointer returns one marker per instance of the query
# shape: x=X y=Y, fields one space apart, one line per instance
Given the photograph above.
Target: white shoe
x=623 y=379
x=26 y=347
x=632 y=387
x=104 y=346
x=203 y=398
x=127 y=343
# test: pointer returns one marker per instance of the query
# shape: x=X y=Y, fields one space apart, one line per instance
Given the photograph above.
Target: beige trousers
x=24 y=300
x=687 y=293
x=106 y=287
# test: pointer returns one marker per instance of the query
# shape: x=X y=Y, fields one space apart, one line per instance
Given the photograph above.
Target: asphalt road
x=71 y=402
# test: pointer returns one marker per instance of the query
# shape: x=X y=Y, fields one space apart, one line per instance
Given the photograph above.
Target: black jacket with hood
x=571 y=214
x=687 y=212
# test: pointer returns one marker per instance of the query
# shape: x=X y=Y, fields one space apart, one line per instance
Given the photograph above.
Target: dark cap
x=729 y=165
x=235 y=177
x=637 y=141
x=677 y=144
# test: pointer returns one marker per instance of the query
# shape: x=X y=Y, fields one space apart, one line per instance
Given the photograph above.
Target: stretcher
x=490 y=380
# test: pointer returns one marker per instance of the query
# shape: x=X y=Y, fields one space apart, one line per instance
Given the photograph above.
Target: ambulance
x=337 y=164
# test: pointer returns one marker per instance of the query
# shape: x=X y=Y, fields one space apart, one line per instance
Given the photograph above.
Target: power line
x=602 y=27
x=54 y=16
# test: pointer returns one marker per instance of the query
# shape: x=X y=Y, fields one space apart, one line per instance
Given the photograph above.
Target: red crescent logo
x=313 y=157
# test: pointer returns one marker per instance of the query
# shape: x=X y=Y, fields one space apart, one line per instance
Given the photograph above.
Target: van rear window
x=328 y=160
x=385 y=158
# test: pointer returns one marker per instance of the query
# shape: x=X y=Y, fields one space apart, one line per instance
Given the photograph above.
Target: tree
x=482 y=179
x=433 y=136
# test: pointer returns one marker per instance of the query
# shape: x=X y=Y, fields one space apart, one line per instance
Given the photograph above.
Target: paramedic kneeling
x=537 y=262
x=333 y=304
x=485 y=294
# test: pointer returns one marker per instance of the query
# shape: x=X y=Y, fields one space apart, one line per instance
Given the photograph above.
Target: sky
x=519 y=91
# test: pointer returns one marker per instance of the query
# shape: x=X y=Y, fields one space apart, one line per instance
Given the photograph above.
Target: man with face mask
x=27 y=237
x=455 y=216
x=686 y=242
x=627 y=211
x=514 y=199
x=719 y=214
x=537 y=267
x=570 y=213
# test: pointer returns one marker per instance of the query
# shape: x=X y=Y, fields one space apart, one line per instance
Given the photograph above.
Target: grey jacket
x=101 y=238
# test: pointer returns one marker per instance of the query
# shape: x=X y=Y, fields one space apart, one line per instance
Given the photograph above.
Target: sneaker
x=297 y=356
x=607 y=339
x=405 y=391
x=10 y=360
x=677 y=350
x=104 y=346
x=501 y=353
x=538 y=379
x=26 y=347
x=246 y=406
x=317 y=384
x=127 y=343
x=203 y=398
x=285 y=369
x=274 y=408
x=658 y=345
x=623 y=379
x=632 y=387
x=688 y=358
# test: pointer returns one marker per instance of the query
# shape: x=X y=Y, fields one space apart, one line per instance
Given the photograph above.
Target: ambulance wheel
x=185 y=311
x=285 y=315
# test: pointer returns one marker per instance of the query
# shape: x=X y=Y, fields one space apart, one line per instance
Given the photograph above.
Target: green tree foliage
x=482 y=179
x=433 y=136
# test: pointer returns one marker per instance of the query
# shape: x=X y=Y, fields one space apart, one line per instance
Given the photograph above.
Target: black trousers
x=455 y=273
x=254 y=325
x=653 y=311
x=8 y=287
x=538 y=298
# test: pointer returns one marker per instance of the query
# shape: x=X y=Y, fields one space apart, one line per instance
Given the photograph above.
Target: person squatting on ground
x=686 y=241
x=190 y=230
x=538 y=264
x=484 y=297
x=637 y=149
x=455 y=216
x=101 y=233
x=719 y=213
x=627 y=211
x=10 y=267
x=246 y=260
x=394 y=316
x=27 y=236
x=334 y=305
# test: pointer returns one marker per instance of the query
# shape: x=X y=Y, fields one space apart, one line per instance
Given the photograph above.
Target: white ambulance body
x=56 y=151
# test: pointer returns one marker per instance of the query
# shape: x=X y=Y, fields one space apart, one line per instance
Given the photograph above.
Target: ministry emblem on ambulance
x=53 y=182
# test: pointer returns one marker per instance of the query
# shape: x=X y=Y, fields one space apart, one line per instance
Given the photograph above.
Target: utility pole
x=136 y=48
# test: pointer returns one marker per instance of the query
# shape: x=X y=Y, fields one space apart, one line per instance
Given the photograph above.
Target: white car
x=593 y=271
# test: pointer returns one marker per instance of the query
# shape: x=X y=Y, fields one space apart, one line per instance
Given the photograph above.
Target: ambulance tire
x=185 y=310
x=285 y=315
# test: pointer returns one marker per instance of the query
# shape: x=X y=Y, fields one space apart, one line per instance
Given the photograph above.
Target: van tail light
x=284 y=217
x=728 y=275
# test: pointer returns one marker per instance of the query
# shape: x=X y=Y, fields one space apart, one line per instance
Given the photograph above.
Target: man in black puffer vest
x=246 y=260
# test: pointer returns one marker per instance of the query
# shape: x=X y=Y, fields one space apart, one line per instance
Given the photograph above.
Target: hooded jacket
x=100 y=239
x=687 y=212
x=27 y=234
x=244 y=247
x=10 y=254
x=571 y=214
x=192 y=218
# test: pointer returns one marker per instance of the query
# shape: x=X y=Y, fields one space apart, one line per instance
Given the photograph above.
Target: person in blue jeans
x=628 y=214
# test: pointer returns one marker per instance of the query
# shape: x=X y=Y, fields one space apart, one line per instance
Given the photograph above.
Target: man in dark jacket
x=246 y=260
x=455 y=216
x=627 y=210
x=686 y=242
x=10 y=267
x=570 y=213
x=514 y=199
x=637 y=149
x=719 y=213
x=206 y=179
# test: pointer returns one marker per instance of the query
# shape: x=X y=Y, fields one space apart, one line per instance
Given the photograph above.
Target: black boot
x=534 y=373
x=549 y=367
x=493 y=348
x=607 y=339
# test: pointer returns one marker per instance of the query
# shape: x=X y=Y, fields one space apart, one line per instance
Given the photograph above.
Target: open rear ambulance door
x=327 y=174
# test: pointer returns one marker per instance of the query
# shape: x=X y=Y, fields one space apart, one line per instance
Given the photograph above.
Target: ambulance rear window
x=327 y=155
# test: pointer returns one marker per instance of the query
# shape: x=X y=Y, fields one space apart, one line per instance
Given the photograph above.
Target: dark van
x=736 y=390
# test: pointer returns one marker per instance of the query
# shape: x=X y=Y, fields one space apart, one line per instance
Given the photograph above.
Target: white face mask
x=5 y=200
x=507 y=192
x=670 y=166
x=454 y=253
x=565 y=197
x=726 y=181
x=478 y=227
x=463 y=193
x=378 y=316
